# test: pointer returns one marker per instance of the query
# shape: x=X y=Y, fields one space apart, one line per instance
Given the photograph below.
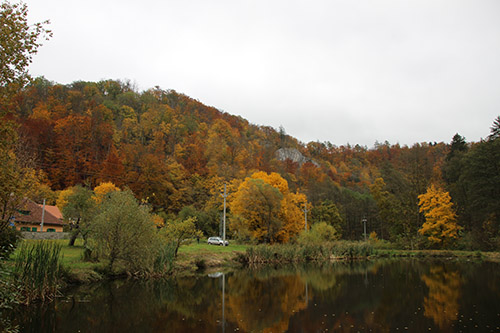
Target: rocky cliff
x=294 y=155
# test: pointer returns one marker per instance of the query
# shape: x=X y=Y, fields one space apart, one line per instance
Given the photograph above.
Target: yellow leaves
x=41 y=112
x=273 y=179
x=62 y=199
x=103 y=189
x=264 y=206
x=158 y=221
x=444 y=293
x=440 y=225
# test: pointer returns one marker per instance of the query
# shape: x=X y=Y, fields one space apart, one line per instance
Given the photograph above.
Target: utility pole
x=305 y=212
x=224 y=219
x=43 y=216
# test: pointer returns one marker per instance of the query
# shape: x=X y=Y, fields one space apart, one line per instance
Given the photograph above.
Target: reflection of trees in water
x=444 y=292
x=264 y=304
x=381 y=296
x=266 y=299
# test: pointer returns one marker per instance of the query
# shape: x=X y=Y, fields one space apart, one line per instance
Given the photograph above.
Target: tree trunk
x=74 y=235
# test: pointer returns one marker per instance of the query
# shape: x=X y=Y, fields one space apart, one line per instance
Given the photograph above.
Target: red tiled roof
x=35 y=214
x=52 y=210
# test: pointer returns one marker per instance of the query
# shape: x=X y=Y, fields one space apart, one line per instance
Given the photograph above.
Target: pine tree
x=495 y=130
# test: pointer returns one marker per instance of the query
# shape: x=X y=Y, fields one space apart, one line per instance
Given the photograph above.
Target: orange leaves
x=440 y=225
x=103 y=189
x=442 y=303
x=265 y=207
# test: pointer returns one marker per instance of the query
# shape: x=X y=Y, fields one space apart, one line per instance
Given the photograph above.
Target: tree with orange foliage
x=264 y=206
x=440 y=225
x=102 y=190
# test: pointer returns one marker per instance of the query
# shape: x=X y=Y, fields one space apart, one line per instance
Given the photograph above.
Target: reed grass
x=164 y=261
x=294 y=253
x=37 y=270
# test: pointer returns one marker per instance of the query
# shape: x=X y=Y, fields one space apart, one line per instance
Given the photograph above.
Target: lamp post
x=364 y=226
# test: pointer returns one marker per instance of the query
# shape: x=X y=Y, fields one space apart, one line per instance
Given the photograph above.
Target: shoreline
x=191 y=264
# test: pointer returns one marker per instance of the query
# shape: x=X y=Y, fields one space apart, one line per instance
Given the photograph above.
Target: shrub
x=320 y=232
x=9 y=238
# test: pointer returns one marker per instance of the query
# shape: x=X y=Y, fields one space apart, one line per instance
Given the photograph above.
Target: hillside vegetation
x=175 y=153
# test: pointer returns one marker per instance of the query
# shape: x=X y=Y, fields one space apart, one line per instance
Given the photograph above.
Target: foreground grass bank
x=196 y=256
x=191 y=257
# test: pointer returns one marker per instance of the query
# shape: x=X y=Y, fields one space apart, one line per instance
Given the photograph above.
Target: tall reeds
x=37 y=270
x=294 y=253
x=164 y=261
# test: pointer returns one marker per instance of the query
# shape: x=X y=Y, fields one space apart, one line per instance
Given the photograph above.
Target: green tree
x=19 y=41
x=124 y=231
x=495 y=130
x=327 y=212
x=480 y=178
x=178 y=231
x=452 y=171
x=203 y=220
x=388 y=206
x=79 y=210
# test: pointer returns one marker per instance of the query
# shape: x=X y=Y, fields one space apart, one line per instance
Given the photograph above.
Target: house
x=29 y=218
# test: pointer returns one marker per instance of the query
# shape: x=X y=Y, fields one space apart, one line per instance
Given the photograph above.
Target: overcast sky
x=352 y=71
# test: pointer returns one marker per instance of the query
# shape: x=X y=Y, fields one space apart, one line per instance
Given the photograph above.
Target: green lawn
x=71 y=256
x=195 y=248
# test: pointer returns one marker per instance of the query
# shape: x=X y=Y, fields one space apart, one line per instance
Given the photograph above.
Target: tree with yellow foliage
x=62 y=198
x=440 y=225
x=103 y=189
x=266 y=209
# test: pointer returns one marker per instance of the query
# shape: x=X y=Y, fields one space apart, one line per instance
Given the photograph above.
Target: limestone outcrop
x=294 y=155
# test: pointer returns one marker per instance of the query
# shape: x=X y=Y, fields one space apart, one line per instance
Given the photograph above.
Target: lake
x=390 y=295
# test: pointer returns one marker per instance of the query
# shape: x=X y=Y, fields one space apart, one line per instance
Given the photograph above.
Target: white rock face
x=294 y=155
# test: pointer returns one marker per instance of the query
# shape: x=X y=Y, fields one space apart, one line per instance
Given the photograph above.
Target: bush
x=9 y=238
x=320 y=232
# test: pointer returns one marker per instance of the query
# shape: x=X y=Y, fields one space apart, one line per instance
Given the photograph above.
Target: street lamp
x=364 y=227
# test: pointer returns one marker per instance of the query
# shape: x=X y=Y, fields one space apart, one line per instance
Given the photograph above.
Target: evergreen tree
x=495 y=130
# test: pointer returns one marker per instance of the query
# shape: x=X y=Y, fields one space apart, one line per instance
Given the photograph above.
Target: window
x=51 y=230
x=33 y=229
x=25 y=229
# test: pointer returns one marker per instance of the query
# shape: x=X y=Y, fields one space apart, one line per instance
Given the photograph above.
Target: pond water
x=362 y=296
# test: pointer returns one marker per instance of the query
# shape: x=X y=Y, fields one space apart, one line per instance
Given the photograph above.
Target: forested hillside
x=175 y=154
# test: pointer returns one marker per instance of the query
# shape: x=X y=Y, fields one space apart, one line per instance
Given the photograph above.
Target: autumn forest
x=175 y=154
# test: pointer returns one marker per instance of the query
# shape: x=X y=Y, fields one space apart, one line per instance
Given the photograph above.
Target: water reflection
x=381 y=296
x=442 y=302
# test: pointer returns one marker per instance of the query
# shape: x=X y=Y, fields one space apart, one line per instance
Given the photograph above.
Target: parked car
x=217 y=241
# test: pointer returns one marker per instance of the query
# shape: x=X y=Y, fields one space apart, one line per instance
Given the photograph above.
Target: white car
x=217 y=241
